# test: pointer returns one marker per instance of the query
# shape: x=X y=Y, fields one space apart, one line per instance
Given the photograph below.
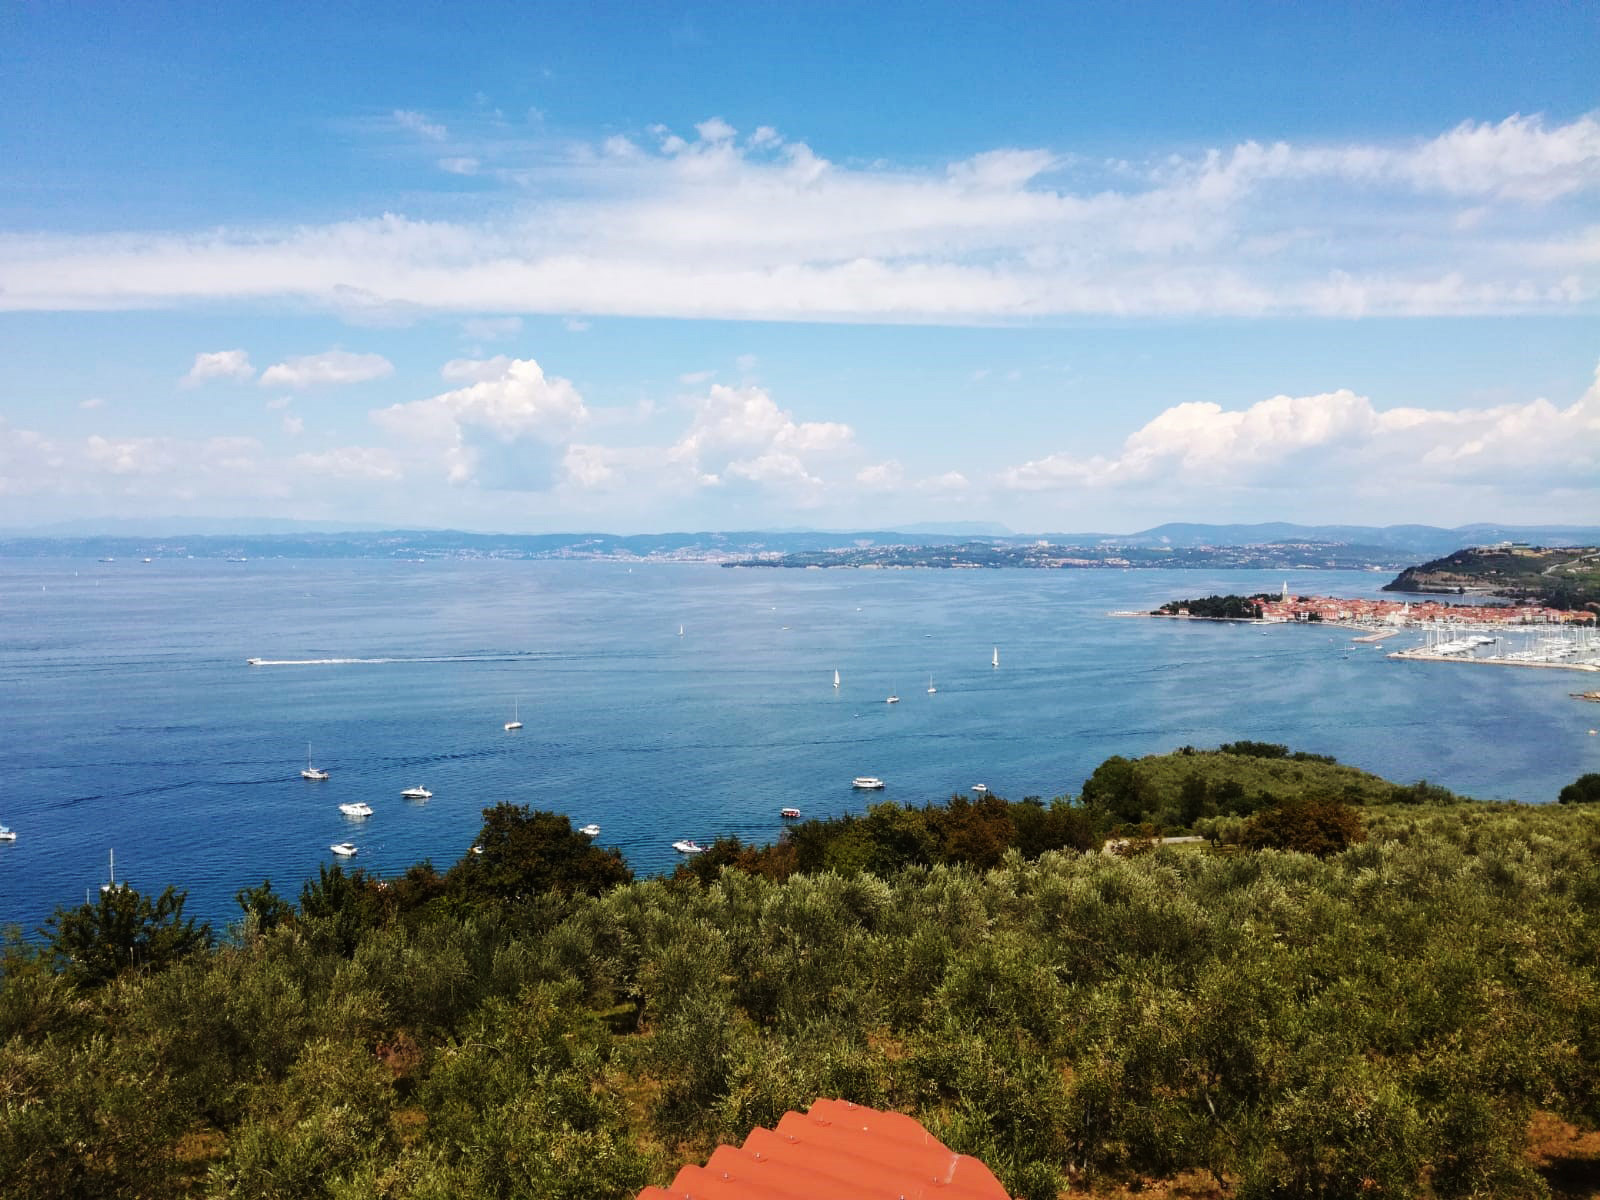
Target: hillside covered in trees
x=1349 y=988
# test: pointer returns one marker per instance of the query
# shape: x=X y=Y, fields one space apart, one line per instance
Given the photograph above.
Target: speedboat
x=892 y=700
x=980 y=789
x=685 y=846
x=868 y=783
x=789 y=814
x=7 y=834
x=417 y=793
x=358 y=809
x=344 y=849
x=252 y=662
x=591 y=830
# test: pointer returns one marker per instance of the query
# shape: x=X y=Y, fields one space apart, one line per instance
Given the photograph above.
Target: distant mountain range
x=1373 y=545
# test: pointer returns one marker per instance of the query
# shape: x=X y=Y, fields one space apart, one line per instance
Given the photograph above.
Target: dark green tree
x=122 y=931
x=1319 y=827
x=1585 y=789
x=522 y=852
x=264 y=909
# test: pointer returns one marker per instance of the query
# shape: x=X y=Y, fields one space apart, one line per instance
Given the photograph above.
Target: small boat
x=7 y=834
x=590 y=830
x=867 y=783
x=314 y=773
x=685 y=846
x=789 y=814
x=980 y=789
x=344 y=849
x=836 y=679
x=994 y=659
x=477 y=849
x=417 y=793
x=147 y=560
x=252 y=662
x=108 y=560
x=516 y=718
x=931 y=688
x=358 y=808
x=112 y=886
x=680 y=630
x=892 y=699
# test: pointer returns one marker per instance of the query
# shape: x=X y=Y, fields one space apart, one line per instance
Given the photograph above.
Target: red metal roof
x=837 y=1151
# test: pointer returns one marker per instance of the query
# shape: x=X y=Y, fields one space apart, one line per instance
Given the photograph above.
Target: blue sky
x=637 y=267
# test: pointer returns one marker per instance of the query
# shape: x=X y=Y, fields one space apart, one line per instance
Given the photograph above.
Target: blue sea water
x=130 y=721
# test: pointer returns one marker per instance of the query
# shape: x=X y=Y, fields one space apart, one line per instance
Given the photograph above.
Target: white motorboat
x=891 y=699
x=359 y=808
x=7 y=834
x=417 y=793
x=344 y=849
x=516 y=718
x=313 y=773
x=789 y=814
x=867 y=783
x=980 y=789
x=590 y=830
x=685 y=846
x=252 y=662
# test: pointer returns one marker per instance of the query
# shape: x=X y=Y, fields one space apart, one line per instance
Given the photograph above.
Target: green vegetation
x=1377 y=1017
x=1567 y=579
x=1216 y=608
x=1585 y=789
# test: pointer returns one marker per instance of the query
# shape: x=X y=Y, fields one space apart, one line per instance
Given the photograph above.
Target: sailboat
x=994 y=659
x=313 y=773
x=112 y=886
x=931 y=688
x=680 y=630
x=836 y=679
x=516 y=719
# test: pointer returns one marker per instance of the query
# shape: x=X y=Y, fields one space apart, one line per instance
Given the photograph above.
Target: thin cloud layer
x=330 y=367
x=219 y=364
x=1484 y=218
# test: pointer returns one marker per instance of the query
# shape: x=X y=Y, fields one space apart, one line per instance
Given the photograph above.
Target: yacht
x=685 y=846
x=892 y=699
x=314 y=773
x=789 y=814
x=590 y=830
x=516 y=718
x=867 y=783
x=7 y=834
x=417 y=793
x=344 y=849
x=359 y=808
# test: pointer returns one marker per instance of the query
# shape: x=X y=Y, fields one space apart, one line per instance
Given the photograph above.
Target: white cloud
x=418 y=124
x=92 y=402
x=219 y=364
x=330 y=367
x=351 y=462
x=770 y=229
x=459 y=166
x=292 y=425
x=575 y=325
x=694 y=377
x=507 y=402
x=1332 y=438
x=741 y=434
x=490 y=329
x=881 y=477
x=279 y=402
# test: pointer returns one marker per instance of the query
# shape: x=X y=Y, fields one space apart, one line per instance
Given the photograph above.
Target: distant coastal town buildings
x=1342 y=611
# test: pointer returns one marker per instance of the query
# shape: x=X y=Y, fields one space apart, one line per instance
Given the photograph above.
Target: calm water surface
x=129 y=720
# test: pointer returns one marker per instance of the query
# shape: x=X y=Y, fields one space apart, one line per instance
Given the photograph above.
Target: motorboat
x=867 y=783
x=789 y=814
x=516 y=718
x=359 y=808
x=590 y=830
x=685 y=846
x=344 y=849
x=7 y=834
x=417 y=793
x=980 y=789
x=892 y=699
x=252 y=662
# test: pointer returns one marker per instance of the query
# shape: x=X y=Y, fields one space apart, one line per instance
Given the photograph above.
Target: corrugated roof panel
x=840 y=1151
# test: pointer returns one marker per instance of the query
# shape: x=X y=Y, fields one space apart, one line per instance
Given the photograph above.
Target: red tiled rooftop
x=837 y=1151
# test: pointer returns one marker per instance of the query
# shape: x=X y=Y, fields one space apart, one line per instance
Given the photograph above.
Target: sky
x=644 y=267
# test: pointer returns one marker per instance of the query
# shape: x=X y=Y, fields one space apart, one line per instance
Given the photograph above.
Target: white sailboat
x=313 y=773
x=516 y=719
x=931 y=688
x=994 y=659
x=836 y=679
x=108 y=887
x=680 y=630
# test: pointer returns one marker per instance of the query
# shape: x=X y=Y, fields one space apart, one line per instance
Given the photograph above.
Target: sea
x=659 y=700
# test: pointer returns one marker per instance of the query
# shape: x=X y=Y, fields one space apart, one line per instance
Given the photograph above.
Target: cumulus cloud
x=330 y=367
x=740 y=433
x=219 y=364
x=1294 y=441
x=509 y=416
x=1487 y=217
